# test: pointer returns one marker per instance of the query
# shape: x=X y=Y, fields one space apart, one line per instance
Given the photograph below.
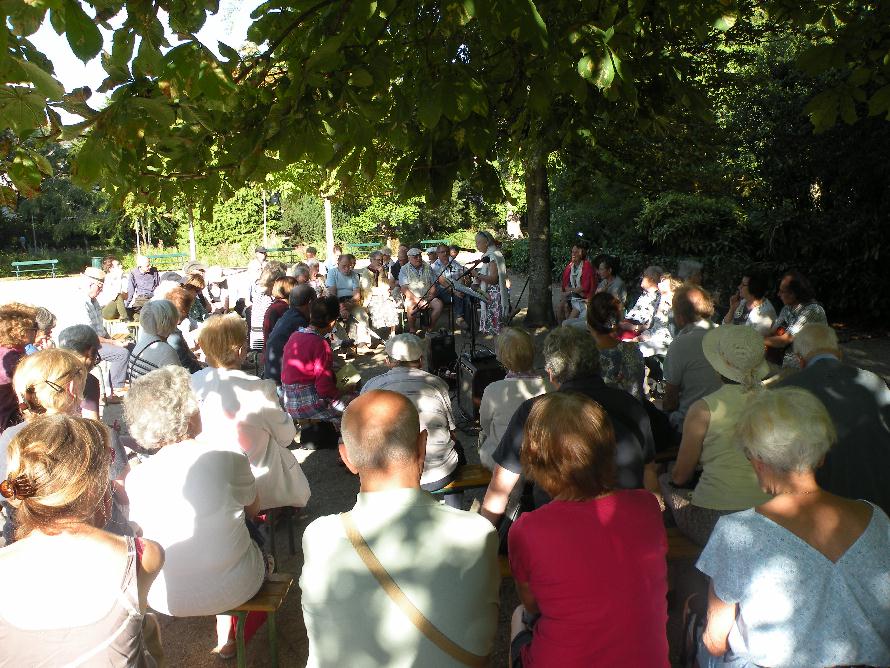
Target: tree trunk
x=193 y=246
x=537 y=203
x=328 y=229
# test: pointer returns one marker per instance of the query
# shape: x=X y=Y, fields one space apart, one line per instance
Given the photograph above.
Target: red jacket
x=588 y=278
x=308 y=360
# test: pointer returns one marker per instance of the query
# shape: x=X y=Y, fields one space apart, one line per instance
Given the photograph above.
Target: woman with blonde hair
x=515 y=349
x=238 y=407
x=72 y=593
x=18 y=329
x=590 y=565
x=52 y=382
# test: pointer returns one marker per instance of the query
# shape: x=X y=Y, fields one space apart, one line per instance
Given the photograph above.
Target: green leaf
x=22 y=108
x=122 y=48
x=25 y=173
x=43 y=81
x=83 y=36
x=360 y=78
x=823 y=110
x=429 y=109
x=879 y=103
x=24 y=17
x=847 y=109
x=148 y=61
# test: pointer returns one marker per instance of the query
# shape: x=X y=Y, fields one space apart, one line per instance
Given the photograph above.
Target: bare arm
x=695 y=426
x=671 y=400
x=721 y=616
x=495 y=502
x=778 y=340
x=149 y=567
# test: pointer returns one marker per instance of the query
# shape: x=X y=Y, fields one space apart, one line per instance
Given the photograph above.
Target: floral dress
x=623 y=367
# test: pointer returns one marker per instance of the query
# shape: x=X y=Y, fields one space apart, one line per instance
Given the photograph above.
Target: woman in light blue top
x=802 y=580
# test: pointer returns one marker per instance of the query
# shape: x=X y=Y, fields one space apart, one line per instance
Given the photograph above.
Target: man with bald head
x=442 y=559
x=688 y=376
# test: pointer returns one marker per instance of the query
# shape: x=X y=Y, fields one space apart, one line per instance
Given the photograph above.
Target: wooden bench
x=468 y=476
x=268 y=599
x=25 y=266
x=168 y=260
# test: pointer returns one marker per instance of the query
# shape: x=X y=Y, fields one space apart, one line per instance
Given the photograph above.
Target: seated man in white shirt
x=429 y=394
x=115 y=352
x=416 y=280
x=443 y=560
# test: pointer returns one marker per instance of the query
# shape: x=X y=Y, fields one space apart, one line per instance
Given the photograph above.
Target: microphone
x=466 y=250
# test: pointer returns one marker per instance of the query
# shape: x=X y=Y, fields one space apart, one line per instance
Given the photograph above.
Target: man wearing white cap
x=429 y=394
x=111 y=350
x=415 y=280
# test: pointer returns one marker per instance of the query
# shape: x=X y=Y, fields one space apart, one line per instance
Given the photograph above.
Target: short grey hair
x=79 y=338
x=300 y=270
x=159 y=407
x=375 y=444
x=816 y=338
x=653 y=273
x=788 y=429
x=374 y=255
x=570 y=352
x=159 y=318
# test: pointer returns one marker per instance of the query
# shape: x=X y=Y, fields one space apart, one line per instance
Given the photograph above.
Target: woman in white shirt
x=234 y=403
x=516 y=351
x=192 y=496
x=749 y=306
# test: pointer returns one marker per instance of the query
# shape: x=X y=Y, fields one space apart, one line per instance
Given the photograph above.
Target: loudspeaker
x=474 y=374
x=442 y=354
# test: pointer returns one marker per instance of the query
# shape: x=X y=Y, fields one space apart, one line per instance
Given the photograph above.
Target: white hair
x=160 y=406
x=570 y=352
x=159 y=318
x=815 y=338
x=788 y=429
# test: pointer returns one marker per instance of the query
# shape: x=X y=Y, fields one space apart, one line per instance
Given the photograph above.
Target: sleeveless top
x=112 y=640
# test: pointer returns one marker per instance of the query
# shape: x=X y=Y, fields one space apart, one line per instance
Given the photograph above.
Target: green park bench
x=25 y=266
x=365 y=248
x=426 y=243
x=283 y=254
x=168 y=260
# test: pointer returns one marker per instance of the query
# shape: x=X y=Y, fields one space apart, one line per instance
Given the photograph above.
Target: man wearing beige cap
x=415 y=280
x=429 y=394
x=112 y=351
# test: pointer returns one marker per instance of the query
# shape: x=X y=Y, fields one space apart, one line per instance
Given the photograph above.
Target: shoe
x=228 y=651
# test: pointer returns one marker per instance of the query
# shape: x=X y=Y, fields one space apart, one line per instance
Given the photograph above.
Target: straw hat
x=95 y=274
x=736 y=352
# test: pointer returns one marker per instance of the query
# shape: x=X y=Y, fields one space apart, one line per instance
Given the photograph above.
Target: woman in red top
x=280 y=295
x=578 y=283
x=589 y=566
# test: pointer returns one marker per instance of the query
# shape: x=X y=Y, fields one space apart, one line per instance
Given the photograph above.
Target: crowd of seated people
x=783 y=487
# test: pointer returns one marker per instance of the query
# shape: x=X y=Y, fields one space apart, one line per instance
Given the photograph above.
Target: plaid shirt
x=94 y=317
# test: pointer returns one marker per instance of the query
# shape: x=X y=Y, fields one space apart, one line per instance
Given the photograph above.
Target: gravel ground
x=188 y=641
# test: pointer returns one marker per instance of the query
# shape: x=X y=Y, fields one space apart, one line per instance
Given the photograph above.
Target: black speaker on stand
x=476 y=371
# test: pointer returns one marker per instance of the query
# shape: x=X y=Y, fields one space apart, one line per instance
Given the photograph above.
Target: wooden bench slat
x=680 y=547
x=469 y=476
x=270 y=596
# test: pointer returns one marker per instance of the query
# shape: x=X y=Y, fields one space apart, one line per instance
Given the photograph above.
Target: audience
x=609 y=280
x=515 y=350
x=749 y=305
x=258 y=263
x=113 y=296
x=238 y=407
x=443 y=559
x=800 y=580
x=73 y=594
x=83 y=342
x=46 y=323
x=448 y=271
x=577 y=286
x=655 y=341
x=217 y=289
x=858 y=402
x=113 y=351
x=642 y=315
x=182 y=299
x=416 y=281
x=400 y=262
x=621 y=362
x=280 y=292
x=192 y=496
x=200 y=309
x=311 y=255
x=688 y=375
x=492 y=278
x=18 y=329
x=157 y=321
x=141 y=284
x=727 y=483
x=429 y=394
x=589 y=566
x=376 y=290
x=296 y=316
x=573 y=365
x=316 y=278
x=800 y=308
x=260 y=300
x=308 y=385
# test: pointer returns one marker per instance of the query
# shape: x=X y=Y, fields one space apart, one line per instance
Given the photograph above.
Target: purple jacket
x=142 y=284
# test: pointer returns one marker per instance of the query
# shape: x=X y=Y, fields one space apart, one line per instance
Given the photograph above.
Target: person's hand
x=734 y=301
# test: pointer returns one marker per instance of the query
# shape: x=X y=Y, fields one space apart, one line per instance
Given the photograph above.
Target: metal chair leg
x=239 y=639
x=273 y=638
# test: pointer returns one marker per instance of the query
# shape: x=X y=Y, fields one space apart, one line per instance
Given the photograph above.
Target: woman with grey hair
x=157 y=320
x=192 y=496
x=803 y=579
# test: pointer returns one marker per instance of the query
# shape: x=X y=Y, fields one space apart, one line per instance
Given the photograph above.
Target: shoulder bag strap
x=398 y=597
